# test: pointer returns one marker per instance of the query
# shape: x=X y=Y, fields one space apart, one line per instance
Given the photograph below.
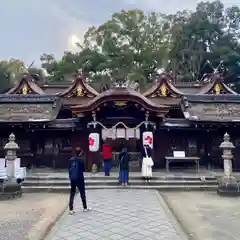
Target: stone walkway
x=119 y=214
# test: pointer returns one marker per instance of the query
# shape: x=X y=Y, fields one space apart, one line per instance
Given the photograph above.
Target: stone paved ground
x=119 y=214
x=206 y=216
x=27 y=218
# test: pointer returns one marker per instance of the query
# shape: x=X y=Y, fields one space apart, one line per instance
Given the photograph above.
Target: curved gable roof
x=216 y=87
x=120 y=94
x=163 y=88
x=79 y=88
x=26 y=86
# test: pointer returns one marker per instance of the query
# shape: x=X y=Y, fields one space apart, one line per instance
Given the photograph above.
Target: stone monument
x=228 y=186
x=10 y=188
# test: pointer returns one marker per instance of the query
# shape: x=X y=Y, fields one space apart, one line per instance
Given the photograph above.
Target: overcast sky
x=31 y=27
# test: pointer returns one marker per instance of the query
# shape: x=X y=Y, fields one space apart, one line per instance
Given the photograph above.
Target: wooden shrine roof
x=163 y=88
x=79 y=88
x=209 y=101
x=211 y=108
x=216 y=86
x=121 y=94
x=25 y=86
x=28 y=108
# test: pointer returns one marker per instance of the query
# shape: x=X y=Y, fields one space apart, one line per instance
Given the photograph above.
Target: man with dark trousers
x=76 y=176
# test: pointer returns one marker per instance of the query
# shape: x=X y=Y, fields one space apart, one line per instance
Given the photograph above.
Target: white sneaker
x=87 y=209
x=71 y=212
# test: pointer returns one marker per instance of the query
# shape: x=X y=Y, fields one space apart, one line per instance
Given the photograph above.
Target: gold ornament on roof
x=25 y=90
x=217 y=89
x=120 y=103
x=79 y=91
x=163 y=90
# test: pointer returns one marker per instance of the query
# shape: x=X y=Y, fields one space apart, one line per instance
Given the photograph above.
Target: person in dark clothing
x=76 y=176
x=124 y=167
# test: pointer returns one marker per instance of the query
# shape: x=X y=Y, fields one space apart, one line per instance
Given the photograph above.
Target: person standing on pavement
x=147 y=161
x=107 y=158
x=124 y=167
x=76 y=169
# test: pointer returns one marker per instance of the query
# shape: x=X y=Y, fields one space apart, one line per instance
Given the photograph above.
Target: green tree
x=134 y=45
x=10 y=71
x=86 y=61
x=5 y=79
x=205 y=39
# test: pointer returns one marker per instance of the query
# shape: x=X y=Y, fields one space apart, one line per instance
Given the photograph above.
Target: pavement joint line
x=176 y=224
x=51 y=225
x=56 y=226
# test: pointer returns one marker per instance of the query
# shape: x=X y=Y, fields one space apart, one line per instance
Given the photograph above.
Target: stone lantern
x=11 y=154
x=10 y=188
x=227 y=156
x=228 y=186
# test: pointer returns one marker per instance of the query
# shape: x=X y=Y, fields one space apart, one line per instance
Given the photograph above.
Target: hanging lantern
x=93 y=141
x=148 y=137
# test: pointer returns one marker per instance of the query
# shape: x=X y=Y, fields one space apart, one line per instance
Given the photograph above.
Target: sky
x=32 y=27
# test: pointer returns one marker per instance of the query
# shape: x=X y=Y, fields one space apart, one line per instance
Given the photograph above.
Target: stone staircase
x=163 y=183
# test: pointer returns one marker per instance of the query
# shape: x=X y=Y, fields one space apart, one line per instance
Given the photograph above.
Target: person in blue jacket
x=76 y=169
x=124 y=167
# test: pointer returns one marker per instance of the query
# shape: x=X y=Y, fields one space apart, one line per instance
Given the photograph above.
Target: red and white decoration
x=93 y=141
x=148 y=137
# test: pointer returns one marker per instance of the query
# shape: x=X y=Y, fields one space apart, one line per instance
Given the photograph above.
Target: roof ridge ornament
x=26 y=86
x=79 y=88
x=163 y=87
x=216 y=86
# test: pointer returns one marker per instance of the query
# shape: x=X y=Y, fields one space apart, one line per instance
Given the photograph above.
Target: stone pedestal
x=10 y=188
x=228 y=185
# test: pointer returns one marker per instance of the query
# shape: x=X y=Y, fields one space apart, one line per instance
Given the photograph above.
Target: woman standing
x=147 y=162
x=124 y=167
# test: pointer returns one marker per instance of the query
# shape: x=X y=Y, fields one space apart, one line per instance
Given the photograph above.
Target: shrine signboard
x=215 y=111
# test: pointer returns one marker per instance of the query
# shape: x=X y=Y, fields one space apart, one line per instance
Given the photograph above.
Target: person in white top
x=147 y=162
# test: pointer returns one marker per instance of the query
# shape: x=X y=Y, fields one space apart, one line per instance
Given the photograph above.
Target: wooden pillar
x=80 y=139
x=161 y=146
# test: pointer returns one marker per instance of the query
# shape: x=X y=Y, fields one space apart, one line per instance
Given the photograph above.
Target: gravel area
x=205 y=215
x=29 y=217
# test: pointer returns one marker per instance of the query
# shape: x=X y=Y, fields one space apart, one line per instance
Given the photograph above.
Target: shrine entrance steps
x=58 y=182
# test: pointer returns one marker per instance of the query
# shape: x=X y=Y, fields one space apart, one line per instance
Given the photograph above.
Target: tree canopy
x=207 y=39
x=9 y=71
x=136 y=46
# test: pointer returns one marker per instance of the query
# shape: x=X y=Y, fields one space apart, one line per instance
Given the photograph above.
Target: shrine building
x=50 y=121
